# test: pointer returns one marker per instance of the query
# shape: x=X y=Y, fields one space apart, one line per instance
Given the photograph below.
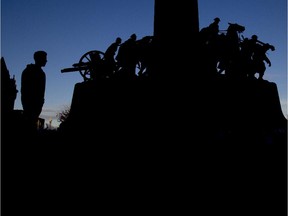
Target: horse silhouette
x=229 y=48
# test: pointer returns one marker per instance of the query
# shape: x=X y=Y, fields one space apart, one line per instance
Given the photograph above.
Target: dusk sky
x=68 y=29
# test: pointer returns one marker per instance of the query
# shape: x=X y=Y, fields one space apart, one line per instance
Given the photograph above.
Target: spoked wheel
x=88 y=60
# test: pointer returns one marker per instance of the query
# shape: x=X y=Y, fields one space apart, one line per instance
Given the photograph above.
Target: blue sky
x=68 y=29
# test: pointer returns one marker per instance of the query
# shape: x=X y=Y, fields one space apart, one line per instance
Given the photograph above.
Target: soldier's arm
x=267 y=60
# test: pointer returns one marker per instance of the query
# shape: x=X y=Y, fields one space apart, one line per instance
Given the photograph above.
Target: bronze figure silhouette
x=109 y=57
x=127 y=57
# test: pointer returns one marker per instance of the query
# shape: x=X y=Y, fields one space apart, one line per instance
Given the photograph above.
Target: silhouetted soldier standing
x=210 y=33
x=247 y=48
x=109 y=56
x=214 y=28
x=259 y=57
x=127 y=57
x=209 y=40
x=33 y=81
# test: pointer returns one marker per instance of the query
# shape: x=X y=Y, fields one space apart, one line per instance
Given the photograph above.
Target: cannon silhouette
x=88 y=65
x=92 y=65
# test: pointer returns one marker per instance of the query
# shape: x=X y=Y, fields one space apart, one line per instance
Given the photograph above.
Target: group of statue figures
x=235 y=55
x=127 y=60
x=224 y=52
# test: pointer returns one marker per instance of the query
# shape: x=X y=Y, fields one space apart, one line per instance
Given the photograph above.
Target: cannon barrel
x=65 y=70
x=73 y=69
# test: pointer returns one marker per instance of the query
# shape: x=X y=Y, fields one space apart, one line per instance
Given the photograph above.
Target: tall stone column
x=176 y=20
x=176 y=27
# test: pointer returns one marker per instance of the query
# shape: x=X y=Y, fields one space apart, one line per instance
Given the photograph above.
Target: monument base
x=213 y=146
x=217 y=110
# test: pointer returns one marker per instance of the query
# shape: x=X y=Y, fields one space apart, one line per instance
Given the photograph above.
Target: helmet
x=118 y=40
x=133 y=36
x=217 y=19
x=254 y=37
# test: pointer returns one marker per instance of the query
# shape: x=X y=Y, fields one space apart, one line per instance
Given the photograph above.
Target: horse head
x=236 y=27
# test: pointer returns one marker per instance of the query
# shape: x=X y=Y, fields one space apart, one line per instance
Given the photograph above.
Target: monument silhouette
x=181 y=92
x=183 y=115
x=182 y=139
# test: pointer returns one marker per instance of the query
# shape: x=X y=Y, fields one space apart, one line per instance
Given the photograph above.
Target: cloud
x=51 y=114
x=49 y=110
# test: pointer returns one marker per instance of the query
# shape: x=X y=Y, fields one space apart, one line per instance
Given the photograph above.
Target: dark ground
x=234 y=175
x=154 y=153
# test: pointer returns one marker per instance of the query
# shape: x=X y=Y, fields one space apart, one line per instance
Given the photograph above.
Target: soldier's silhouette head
x=118 y=40
x=217 y=19
x=133 y=37
x=40 y=58
x=254 y=37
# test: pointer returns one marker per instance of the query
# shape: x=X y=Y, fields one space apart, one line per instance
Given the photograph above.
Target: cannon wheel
x=85 y=60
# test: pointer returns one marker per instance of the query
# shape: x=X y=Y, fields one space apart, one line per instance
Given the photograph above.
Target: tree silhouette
x=63 y=115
